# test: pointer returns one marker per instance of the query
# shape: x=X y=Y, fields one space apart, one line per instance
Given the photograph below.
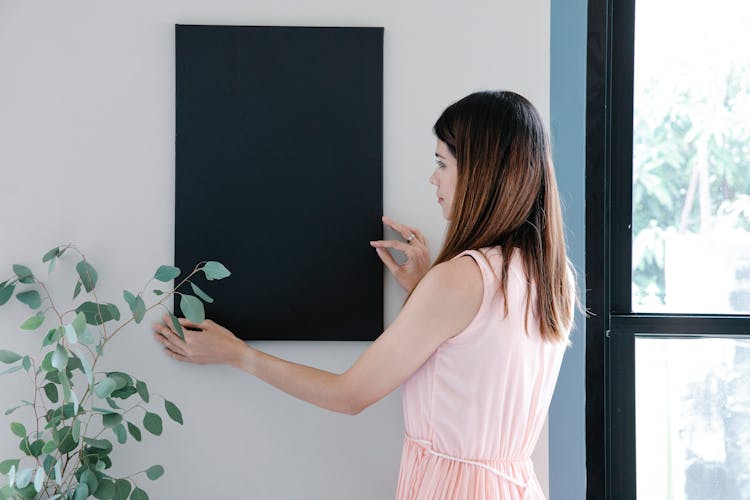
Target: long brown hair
x=506 y=194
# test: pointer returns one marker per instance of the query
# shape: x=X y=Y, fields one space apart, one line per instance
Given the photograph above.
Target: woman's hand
x=205 y=343
x=410 y=272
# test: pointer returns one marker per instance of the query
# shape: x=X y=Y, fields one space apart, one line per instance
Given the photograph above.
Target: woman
x=480 y=338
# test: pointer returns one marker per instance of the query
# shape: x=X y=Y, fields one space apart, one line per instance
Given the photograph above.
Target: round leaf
x=152 y=422
x=173 y=412
x=105 y=387
x=111 y=419
x=33 y=322
x=193 y=308
x=167 y=273
x=88 y=275
x=82 y=492
x=31 y=298
x=39 y=479
x=51 y=391
x=79 y=323
x=55 y=252
x=123 y=489
x=142 y=389
x=8 y=357
x=155 y=472
x=18 y=429
x=60 y=357
x=215 y=270
x=24 y=273
x=138 y=494
x=6 y=292
x=134 y=431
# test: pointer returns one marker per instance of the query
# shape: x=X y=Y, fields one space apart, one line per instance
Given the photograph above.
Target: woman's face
x=444 y=177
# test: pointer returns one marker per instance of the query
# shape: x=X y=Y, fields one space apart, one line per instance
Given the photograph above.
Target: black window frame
x=612 y=326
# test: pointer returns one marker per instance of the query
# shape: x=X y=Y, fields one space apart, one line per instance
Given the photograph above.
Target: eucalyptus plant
x=68 y=437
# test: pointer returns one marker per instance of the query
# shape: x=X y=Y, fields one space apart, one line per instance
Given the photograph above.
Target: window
x=668 y=250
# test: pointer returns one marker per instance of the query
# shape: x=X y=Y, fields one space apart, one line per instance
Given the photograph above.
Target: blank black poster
x=279 y=176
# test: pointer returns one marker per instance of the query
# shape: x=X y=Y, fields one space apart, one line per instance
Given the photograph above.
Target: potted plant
x=77 y=415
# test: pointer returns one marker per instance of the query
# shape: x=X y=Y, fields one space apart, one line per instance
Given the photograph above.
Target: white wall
x=87 y=155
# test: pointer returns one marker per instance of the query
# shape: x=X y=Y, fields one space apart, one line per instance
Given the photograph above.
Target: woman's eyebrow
x=439 y=156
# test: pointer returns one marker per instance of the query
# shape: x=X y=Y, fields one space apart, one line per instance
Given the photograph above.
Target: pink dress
x=474 y=410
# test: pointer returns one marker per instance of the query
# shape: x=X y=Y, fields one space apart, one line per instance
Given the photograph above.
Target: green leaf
x=177 y=325
x=79 y=323
x=120 y=433
x=70 y=334
x=77 y=289
x=106 y=488
x=111 y=419
x=5 y=465
x=166 y=273
x=24 y=273
x=215 y=270
x=152 y=422
x=47 y=366
x=51 y=391
x=157 y=292
x=11 y=370
x=23 y=478
x=8 y=357
x=102 y=444
x=51 y=266
x=173 y=412
x=134 y=431
x=138 y=494
x=33 y=322
x=123 y=489
x=82 y=492
x=88 y=275
x=53 y=336
x=193 y=308
x=18 y=429
x=26 y=363
x=122 y=379
x=155 y=472
x=137 y=306
x=36 y=447
x=93 y=317
x=89 y=478
x=55 y=252
x=200 y=293
x=6 y=292
x=86 y=337
x=105 y=387
x=75 y=431
x=49 y=446
x=31 y=298
x=129 y=298
x=60 y=357
x=39 y=480
x=68 y=442
x=142 y=389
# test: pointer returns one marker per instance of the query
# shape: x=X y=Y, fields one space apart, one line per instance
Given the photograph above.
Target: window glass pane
x=692 y=418
x=691 y=157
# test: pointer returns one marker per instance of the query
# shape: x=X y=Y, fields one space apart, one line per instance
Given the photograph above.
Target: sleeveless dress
x=474 y=410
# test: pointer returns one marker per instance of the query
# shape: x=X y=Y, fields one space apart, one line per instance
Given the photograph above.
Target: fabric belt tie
x=427 y=445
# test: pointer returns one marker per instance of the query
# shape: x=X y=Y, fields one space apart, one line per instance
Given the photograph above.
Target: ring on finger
x=411 y=238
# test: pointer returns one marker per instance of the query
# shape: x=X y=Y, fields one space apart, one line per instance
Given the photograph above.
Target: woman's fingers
x=398 y=245
x=387 y=259
x=169 y=339
x=404 y=230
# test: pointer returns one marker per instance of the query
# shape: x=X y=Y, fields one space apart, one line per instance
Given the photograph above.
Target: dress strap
x=427 y=445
